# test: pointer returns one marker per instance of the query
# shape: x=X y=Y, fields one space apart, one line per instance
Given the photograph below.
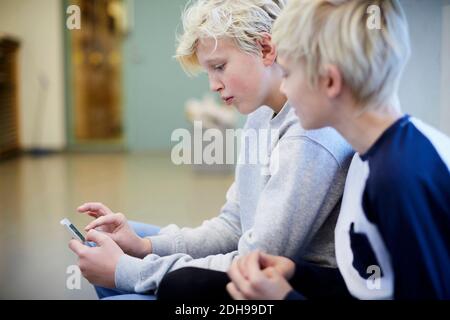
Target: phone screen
x=71 y=226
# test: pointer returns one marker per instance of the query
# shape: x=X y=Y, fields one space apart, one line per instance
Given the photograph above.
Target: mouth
x=228 y=100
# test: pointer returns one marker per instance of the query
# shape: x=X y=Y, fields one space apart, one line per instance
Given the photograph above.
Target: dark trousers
x=190 y=283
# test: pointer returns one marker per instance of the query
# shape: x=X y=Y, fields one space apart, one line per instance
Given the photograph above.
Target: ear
x=332 y=81
x=268 y=49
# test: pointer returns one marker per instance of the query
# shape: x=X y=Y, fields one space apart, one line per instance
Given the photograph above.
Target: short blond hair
x=337 y=32
x=244 y=21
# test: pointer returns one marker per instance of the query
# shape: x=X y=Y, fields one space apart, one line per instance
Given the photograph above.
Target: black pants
x=194 y=284
x=191 y=283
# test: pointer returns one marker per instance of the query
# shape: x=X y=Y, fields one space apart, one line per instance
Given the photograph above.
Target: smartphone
x=75 y=233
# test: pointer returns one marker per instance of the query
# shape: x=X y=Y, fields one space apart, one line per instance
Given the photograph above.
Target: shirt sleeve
x=412 y=213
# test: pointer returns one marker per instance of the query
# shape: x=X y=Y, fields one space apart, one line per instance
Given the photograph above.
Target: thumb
x=76 y=246
x=97 y=237
x=272 y=273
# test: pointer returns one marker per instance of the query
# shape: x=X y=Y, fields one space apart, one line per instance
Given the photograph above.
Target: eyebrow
x=213 y=61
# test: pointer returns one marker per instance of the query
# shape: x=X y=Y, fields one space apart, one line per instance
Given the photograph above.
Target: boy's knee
x=192 y=283
x=175 y=285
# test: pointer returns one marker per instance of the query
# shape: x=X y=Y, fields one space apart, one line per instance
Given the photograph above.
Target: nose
x=214 y=84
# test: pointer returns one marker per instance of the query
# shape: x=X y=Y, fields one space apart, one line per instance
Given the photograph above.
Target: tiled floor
x=36 y=193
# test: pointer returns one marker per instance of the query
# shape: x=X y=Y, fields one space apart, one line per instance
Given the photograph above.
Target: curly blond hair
x=241 y=20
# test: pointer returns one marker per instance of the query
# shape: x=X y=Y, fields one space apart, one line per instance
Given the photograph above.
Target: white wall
x=424 y=91
x=445 y=77
x=39 y=26
x=420 y=88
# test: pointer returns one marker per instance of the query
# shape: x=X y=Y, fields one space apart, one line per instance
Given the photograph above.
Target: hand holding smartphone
x=75 y=233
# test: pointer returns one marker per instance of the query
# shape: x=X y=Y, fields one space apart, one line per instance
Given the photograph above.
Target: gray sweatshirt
x=287 y=205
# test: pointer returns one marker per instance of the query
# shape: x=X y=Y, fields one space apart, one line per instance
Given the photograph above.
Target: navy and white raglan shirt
x=398 y=245
x=393 y=233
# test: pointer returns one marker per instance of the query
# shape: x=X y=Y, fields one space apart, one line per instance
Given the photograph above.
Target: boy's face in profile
x=238 y=77
x=312 y=105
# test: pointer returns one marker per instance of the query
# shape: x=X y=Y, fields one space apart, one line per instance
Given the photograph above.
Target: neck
x=363 y=130
x=275 y=99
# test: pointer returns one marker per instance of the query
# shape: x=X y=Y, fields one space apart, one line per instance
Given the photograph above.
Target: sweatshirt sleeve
x=217 y=235
x=144 y=275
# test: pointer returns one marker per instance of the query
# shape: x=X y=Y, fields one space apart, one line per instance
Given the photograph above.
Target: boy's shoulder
x=432 y=140
x=409 y=152
x=258 y=118
x=290 y=129
x=326 y=138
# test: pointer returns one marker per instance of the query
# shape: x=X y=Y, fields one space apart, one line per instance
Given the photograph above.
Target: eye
x=219 y=67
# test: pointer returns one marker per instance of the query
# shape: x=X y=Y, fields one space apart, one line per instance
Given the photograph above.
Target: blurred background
x=87 y=115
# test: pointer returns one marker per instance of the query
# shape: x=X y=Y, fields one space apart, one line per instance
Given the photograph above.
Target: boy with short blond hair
x=342 y=70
